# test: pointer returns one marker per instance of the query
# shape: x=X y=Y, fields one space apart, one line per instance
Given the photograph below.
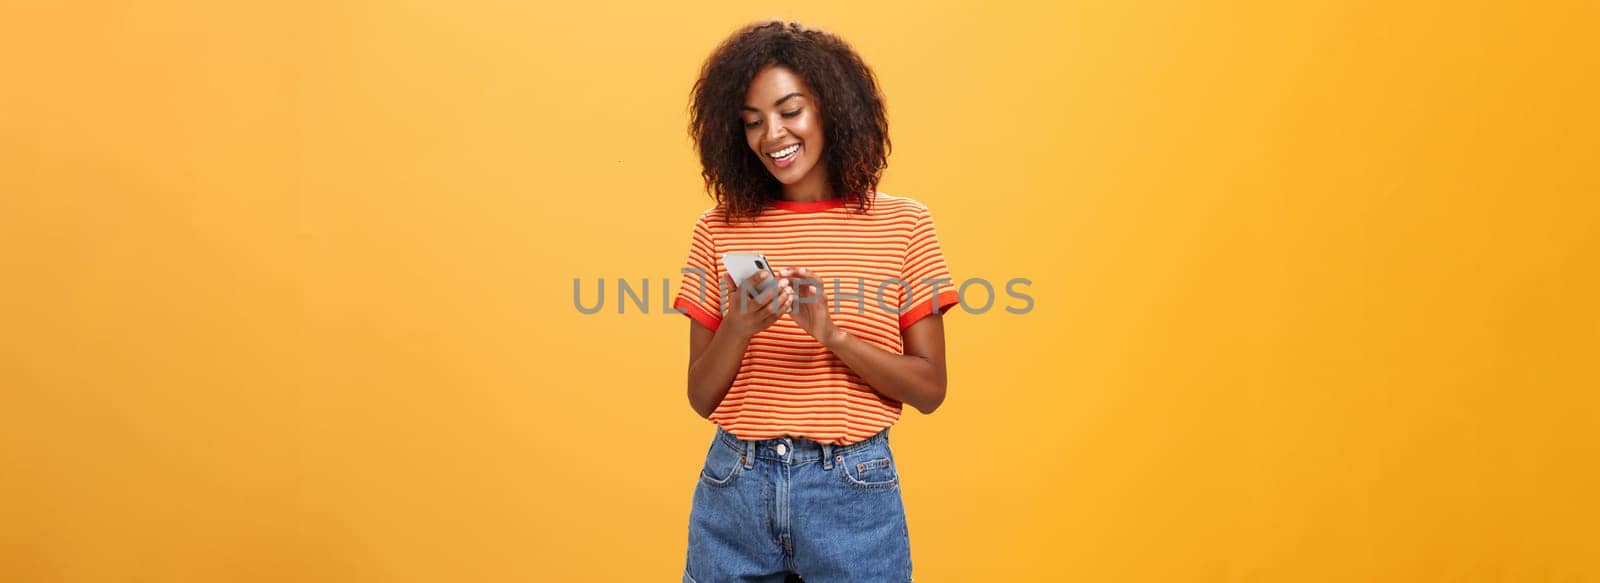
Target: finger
x=744 y=303
x=763 y=304
x=809 y=288
x=755 y=279
x=803 y=279
x=768 y=295
x=742 y=293
x=759 y=298
x=781 y=303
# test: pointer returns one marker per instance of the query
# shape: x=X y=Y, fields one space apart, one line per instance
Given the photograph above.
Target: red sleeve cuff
x=946 y=299
x=699 y=314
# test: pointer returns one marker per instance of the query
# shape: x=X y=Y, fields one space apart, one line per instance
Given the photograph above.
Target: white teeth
x=784 y=153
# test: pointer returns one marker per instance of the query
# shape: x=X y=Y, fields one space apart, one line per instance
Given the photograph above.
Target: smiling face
x=783 y=126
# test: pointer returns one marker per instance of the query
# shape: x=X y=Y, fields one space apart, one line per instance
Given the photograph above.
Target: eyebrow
x=775 y=103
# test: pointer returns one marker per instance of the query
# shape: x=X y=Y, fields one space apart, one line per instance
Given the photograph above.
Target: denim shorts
x=765 y=508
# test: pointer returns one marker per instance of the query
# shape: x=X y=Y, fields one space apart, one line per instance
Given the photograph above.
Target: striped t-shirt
x=788 y=383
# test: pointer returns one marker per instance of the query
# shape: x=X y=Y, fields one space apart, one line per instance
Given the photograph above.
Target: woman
x=804 y=381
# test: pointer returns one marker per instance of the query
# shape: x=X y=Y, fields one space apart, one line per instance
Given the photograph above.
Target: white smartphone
x=743 y=265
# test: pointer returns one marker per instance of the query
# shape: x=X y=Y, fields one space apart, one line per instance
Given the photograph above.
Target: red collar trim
x=808 y=206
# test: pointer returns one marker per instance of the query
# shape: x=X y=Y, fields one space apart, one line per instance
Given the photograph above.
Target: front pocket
x=871 y=473
x=723 y=464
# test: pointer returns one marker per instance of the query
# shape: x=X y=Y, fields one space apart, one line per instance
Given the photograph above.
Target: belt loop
x=749 y=453
x=827 y=457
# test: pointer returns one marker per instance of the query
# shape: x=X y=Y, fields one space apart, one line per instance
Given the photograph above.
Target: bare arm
x=916 y=377
x=713 y=361
x=714 y=356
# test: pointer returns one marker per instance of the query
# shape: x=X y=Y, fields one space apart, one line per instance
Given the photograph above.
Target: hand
x=750 y=311
x=811 y=312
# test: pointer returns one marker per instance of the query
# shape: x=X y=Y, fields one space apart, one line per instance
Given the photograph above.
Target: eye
x=752 y=123
x=792 y=113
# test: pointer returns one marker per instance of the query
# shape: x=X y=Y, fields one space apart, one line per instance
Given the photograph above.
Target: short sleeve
x=699 y=290
x=928 y=288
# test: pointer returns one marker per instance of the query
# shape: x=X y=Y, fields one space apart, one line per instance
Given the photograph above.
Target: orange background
x=288 y=288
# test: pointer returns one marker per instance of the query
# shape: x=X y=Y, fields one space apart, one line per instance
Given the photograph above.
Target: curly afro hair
x=855 y=125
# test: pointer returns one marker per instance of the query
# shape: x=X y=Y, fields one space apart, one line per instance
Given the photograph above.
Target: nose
x=775 y=130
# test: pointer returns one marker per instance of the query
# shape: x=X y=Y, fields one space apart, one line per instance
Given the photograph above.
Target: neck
x=813 y=187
